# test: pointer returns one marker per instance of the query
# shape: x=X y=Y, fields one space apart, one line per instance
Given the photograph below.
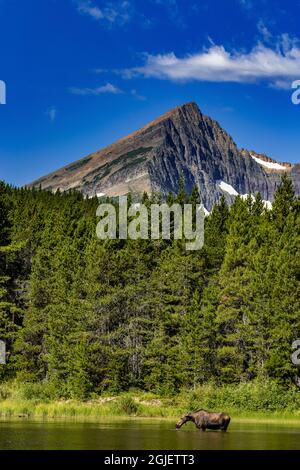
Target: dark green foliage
x=128 y=405
x=81 y=316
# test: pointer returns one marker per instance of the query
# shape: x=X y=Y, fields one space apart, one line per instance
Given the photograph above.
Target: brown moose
x=206 y=420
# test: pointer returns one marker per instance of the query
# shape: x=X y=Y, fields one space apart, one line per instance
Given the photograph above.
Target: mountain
x=182 y=141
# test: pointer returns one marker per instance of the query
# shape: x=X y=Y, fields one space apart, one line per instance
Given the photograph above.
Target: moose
x=206 y=420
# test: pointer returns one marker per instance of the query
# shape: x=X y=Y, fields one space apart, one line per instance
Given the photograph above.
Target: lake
x=148 y=434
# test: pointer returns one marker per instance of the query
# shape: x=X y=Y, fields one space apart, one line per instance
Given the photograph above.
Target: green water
x=143 y=434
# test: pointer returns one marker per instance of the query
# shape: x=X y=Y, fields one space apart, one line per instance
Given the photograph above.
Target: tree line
x=85 y=316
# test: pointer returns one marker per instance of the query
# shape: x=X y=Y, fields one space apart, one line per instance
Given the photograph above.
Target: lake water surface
x=147 y=434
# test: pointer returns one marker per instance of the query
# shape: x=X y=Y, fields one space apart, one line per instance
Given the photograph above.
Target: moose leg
x=201 y=427
x=225 y=425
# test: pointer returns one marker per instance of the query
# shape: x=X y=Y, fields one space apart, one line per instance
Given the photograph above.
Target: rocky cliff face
x=182 y=141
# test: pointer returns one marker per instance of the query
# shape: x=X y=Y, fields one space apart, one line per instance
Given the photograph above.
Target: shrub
x=37 y=391
x=128 y=405
x=5 y=392
x=258 y=395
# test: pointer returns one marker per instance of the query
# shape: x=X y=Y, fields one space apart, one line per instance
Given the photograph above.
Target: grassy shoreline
x=114 y=409
x=257 y=401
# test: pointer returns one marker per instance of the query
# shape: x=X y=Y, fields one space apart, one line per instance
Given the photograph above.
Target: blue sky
x=82 y=73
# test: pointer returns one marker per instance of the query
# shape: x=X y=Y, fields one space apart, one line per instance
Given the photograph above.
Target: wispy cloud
x=88 y=7
x=51 y=113
x=108 y=88
x=112 y=12
x=264 y=31
x=247 y=4
x=173 y=11
x=276 y=65
x=118 y=13
x=137 y=96
x=100 y=71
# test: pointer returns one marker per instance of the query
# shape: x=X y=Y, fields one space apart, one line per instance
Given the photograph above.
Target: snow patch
x=227 y=188
x=206 y=212
x=90 y=196
x=270 y=165
x=245 y=196
x=267 y=204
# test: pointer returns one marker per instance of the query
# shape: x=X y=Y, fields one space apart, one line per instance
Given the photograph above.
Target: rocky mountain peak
x=181 y=141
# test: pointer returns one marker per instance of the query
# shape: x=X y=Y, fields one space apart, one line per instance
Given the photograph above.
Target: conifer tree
x=283 y=202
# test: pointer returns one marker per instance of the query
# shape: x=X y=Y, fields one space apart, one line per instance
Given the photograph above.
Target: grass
x=92 y=410
x=263 y=402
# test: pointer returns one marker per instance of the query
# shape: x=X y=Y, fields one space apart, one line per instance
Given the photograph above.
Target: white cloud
x=277 y=65
x=113 y=12
x=264 y=31
x=100 y=71
x=108 y=88
x=173 y=10
x=87 y=7
x=247 y=4
x=52 y=113
x=137 y=96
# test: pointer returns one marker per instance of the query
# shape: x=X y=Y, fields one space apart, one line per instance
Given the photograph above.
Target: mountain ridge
x=180 y=141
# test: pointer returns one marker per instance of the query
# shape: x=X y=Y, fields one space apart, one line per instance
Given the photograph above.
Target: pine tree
x=233 y=310
x=216 y=230
x=284 y=274
x=283 y=202
x=10 y=313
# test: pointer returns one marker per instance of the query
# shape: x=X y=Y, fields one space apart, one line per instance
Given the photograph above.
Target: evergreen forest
x=86 y=317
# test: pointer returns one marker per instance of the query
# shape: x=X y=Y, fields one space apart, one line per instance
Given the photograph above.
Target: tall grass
x=265 y=400
x=263 y=396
